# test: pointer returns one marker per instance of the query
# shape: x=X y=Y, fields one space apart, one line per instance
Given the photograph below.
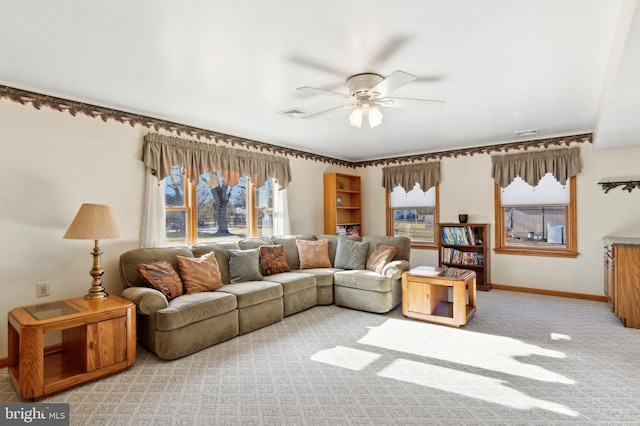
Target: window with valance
x=535 y=202
x=211 y=192
x=412 y=200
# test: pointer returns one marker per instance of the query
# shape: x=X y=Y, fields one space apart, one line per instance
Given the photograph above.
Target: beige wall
x=466 y=187
x=53 y=162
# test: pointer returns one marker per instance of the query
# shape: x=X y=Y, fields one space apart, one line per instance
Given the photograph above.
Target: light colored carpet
x=524 y=359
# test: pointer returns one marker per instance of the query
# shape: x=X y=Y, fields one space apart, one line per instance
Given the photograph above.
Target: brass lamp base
x=96 y=291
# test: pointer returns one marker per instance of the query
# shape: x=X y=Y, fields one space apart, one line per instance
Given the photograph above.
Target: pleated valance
x=161 y=153
x=426 y=174
x=532 y=166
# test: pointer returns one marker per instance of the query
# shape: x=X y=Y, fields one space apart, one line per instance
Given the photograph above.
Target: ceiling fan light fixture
x=355 y=118
x=375 y=116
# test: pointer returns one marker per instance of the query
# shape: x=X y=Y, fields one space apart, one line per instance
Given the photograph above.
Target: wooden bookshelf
x=466 y=246
x=342 y=204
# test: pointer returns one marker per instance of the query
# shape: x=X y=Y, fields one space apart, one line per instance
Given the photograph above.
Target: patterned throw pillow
x=162 y=277
x=380 y=257
x=200 y=274
x=273 y=260
x=313 y=254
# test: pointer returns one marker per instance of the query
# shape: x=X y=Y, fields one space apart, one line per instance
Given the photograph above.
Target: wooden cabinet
x=622 y=278
x=54 y=346
x=425 y=295
x=466 y=246
x=342 y=204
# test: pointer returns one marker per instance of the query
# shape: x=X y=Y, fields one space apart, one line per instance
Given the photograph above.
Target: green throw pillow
x=244 y=265
x=351 y=254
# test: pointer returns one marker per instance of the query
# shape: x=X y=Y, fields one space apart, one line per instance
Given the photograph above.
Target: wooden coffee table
x=425 y=295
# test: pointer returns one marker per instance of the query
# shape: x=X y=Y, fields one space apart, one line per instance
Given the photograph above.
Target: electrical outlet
x=42 y=289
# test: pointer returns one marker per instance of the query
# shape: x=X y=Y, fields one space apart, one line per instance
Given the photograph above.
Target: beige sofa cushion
x=253 y=292
x=192 y=308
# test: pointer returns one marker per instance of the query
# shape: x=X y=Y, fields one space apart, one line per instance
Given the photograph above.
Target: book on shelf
x=461 y=235
x=451 y=255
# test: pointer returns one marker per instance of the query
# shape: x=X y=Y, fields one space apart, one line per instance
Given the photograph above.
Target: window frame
x=425 y=245
x=571 y=239
x=190 y=207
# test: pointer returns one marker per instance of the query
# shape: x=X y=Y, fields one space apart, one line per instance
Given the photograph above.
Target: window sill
x=526 y=251
x=423 y=245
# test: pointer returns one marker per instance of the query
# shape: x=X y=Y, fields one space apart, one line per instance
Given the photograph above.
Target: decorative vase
x=463 y=218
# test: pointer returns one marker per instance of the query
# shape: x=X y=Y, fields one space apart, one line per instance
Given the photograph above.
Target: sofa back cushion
x=290 y=247
x=252 y=243
x=130 y=260
x=402 y=244
x=220 y=250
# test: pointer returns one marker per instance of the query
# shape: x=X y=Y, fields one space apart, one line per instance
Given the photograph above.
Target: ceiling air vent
x=294 y=113
x=528 y=132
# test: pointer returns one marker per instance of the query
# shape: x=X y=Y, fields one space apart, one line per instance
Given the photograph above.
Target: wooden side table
x=425 y=295
x=57 y=345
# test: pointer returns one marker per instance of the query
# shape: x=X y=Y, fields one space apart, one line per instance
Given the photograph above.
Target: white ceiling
x=561 y=66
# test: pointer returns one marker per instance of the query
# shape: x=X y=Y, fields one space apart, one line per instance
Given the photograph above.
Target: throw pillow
x=200 y=274
x=380 y=257
x=313 y=254
x=273 y=260
x=162 y=277
x=244 y=265
x=351 y=254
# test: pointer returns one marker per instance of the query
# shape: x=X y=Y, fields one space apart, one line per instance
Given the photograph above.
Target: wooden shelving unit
x=342 y=204
x=466 y=246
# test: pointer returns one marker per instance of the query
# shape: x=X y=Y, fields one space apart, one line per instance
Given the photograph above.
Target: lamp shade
x=94 y=222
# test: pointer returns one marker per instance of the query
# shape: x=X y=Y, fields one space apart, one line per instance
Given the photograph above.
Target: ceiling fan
x=368 y=91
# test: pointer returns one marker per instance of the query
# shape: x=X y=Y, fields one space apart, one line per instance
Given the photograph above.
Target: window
x=413 y=214
x=537 y=221
x=214 y=211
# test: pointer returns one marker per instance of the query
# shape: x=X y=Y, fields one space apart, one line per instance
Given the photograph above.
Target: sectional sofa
x=190 y=298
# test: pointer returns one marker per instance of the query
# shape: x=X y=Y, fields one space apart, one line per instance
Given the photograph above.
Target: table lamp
x=94 y=222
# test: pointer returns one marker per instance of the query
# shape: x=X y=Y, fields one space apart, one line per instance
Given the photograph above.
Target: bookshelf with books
x=466 y=246
x=342 y=204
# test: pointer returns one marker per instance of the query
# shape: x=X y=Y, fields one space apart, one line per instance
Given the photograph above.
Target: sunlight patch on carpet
x=486 y=351
x=340 y=356
x=469 y=385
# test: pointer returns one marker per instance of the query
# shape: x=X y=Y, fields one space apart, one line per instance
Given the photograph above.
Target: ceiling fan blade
x=330 y=110
x=393 y=82
x=409 y=103
x=315 y=90
x=386 y=52
x=310 y=63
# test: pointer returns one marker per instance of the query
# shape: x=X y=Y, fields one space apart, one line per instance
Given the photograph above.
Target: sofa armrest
x=395 y=269
x=147 y=300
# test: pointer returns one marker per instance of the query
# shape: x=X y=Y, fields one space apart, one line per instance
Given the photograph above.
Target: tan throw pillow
x=313 y=254
x=162 y=277
x=200 y=274
x=273 y=260
x=380 y=257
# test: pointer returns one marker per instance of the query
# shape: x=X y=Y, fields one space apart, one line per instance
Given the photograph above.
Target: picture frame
x=339 y=201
